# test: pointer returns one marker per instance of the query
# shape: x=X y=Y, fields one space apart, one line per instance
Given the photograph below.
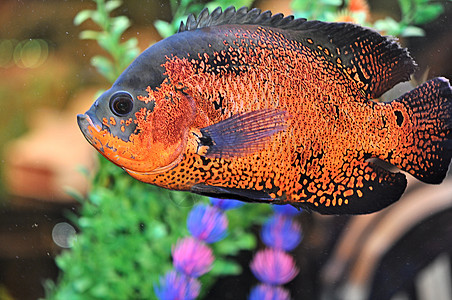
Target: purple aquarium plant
x=176 y=286
x=192 y=257
x=281 y=232
x=268 y=292
x=226 y=204
x=207 y=223
x=287 y=210
x=273 y=266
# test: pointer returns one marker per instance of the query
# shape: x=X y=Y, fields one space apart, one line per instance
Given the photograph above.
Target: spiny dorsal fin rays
x=376 y=63
x=240 y=16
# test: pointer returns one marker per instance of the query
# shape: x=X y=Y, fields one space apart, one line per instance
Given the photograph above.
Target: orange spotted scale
x=260 y=107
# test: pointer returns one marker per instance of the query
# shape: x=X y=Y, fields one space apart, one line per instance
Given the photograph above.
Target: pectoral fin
x=241 y=134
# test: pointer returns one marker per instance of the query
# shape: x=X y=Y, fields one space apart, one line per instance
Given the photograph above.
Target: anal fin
x=372 y=191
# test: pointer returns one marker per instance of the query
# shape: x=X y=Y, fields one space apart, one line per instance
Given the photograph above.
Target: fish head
x=141 y=134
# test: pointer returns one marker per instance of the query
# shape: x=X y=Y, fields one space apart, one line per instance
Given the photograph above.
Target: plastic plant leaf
x=89 y=35
x=331 y=2
x=164 y=28
x=388 y=26
x=412 y=31
x=99 y=18
x=300 y=5
x=119 y=25
x=82 y=16
x=225 y=3
x=108 y=43
x=406 y=7
x=130 y=44
x=129 y=56
x=427 y=13
x=225 y=267
x=112 y=5
x=246 y=241
x=82 y=284
x=185 y=3
x=229 y=246
x=157 y=230
x=74 y=194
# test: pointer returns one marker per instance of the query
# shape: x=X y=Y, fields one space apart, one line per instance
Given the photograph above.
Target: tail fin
x=430 y=108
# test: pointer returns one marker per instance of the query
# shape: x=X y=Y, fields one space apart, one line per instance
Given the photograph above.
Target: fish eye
x=121 y=104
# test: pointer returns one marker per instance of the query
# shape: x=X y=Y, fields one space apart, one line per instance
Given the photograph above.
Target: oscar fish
x=248 y=105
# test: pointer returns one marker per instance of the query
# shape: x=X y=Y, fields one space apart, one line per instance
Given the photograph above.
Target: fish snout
x=89 y=119
x=89 y=125
x=84 y=123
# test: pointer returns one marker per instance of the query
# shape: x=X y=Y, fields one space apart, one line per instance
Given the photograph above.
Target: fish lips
x=87 y=120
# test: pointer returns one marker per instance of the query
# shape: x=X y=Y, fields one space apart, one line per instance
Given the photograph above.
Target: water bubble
x=6 y=52
x=30 y=53
x=34 y=53
x=17 y=53
x=63 y=234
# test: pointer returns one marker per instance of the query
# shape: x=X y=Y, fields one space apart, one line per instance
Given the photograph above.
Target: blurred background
x=46 y=79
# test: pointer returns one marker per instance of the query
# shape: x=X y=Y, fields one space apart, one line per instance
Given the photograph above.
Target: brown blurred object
x=43 y=162
x=27 y=250
x=281 y=6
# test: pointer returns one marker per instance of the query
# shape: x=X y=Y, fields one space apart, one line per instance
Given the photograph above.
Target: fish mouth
x=88 y=123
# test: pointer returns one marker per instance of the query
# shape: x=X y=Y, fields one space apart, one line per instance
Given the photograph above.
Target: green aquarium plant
x=109 y=38
x=413 y=14
x=127 y=228
x=181 y=8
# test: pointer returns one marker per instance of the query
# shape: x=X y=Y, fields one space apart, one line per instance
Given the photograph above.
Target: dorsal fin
x=239 y=17
x=375 y=62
